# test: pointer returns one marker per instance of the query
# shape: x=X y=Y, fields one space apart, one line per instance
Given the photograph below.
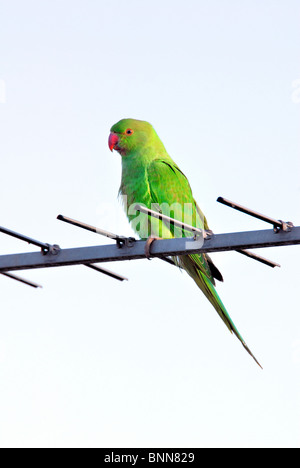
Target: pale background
x=91 y=362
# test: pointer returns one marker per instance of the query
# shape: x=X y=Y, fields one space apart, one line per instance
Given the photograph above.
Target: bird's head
x=129 y=135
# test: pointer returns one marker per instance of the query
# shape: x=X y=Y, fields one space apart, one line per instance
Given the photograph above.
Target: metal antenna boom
x=128 y=248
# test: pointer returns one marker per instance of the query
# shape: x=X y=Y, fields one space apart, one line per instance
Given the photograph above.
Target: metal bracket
x=51 y=249
x=285 y=226
x=208 y=234
x=124 y=241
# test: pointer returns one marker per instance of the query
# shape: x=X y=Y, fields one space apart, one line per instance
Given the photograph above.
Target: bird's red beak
x=112 y=141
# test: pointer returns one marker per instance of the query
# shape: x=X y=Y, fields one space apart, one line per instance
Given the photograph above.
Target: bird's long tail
x=208 y=289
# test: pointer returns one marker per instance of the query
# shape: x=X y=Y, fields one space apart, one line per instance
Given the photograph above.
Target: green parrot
x=151 y=178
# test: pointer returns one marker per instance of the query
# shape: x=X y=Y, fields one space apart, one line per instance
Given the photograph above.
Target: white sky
x=88 y=361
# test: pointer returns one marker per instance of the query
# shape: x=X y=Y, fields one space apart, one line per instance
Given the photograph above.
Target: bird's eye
x=129 y=131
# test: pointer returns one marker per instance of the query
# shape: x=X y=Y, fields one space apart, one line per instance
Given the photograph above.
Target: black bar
x=21 y=280
x=107 y=272
x=25 y=238
x=88 y=227
x=258 y=258
x=77 y=223
x=255 y=214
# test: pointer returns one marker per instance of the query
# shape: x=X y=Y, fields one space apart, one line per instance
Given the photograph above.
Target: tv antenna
x=128 y=248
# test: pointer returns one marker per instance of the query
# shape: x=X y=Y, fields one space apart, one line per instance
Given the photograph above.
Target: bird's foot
x=149 y=242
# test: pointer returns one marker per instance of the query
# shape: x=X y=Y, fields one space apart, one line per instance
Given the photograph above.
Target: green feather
x=150 y=177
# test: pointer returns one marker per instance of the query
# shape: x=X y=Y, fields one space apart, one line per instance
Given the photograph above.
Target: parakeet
x=151 y=178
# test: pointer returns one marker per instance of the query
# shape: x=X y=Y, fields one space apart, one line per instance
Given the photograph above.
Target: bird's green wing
x=171 y=194
x=169 y=186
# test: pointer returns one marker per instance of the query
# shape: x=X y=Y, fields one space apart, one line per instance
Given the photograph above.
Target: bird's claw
x=149 y=242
